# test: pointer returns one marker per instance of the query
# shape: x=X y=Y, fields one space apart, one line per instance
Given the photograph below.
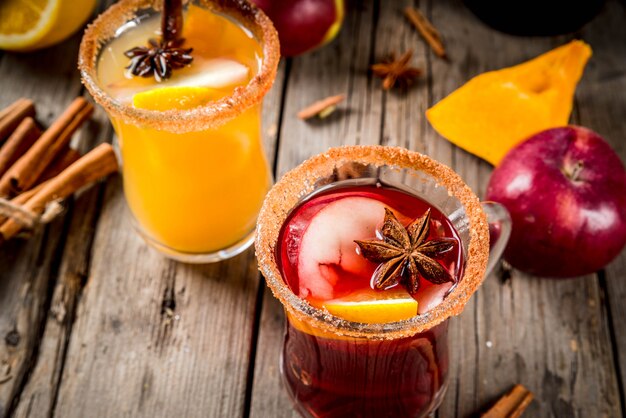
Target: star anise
x=404 y=254
x=396 y=71
x=158 y=58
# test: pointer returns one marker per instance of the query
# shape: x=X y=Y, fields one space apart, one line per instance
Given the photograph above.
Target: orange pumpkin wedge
x=496 y=110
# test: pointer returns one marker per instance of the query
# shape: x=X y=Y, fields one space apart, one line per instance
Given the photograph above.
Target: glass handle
x=499 y=232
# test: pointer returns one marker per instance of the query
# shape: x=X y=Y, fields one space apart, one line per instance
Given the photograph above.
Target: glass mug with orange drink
x=186 y=106
x=370 y=250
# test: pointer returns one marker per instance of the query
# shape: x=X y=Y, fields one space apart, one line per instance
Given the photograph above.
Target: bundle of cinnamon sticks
x=38 y=168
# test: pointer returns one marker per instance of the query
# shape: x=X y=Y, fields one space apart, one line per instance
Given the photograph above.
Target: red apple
x=566 y=191
x=328 y=247
x=303 y=25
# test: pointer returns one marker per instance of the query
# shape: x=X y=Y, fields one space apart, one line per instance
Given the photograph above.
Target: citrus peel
x=374 y=311
x=35 y=24
x=179 y=98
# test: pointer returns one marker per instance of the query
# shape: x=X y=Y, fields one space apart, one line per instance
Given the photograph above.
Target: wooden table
x=94 y=323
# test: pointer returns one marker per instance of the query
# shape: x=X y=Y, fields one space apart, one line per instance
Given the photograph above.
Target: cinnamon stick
x=426 y=29
x=320 y=106
x=21 y=199
x=97 y=163
x=9 y=109
x=25 y=172
x=18 y=143
x=24 y=197
x=511 y=405
x=12 y=115
x=60 y=163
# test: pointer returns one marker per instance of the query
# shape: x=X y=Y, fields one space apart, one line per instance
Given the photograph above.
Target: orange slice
x=33 y=24
x=367 y=306
x=374 y=311
x=179 y=98
x=374 y=307
x=496 y=110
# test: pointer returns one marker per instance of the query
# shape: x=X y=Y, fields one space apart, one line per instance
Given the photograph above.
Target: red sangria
x=370 y=250
x=323 y=259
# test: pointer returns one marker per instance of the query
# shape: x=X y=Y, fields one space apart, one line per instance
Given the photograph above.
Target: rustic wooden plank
x=28 y=268
x=614 y=295
x=39 y=394
x=403 y=121
x=144 y=342
x=601 y=107
x=341 y=67
x=272 y=112
x=153 y=337
x=552 y=336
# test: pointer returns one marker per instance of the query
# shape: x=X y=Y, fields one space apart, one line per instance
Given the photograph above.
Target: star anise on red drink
x=159 y=58
x=405 y=254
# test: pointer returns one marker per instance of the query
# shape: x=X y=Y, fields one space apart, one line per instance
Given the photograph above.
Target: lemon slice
x=395 y=307
x=31 y=24
x=178 y=98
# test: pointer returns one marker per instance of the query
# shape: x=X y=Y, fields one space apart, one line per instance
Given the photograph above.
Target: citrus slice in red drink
x=374 y=308
x=323 y=264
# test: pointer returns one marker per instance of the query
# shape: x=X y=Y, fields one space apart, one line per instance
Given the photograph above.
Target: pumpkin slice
x=496 y=110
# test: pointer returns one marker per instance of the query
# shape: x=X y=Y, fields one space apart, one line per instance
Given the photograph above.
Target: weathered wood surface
x=538 y=332
x=601 y=106
x=28 y=269
x=544 y=334
x=94 y=323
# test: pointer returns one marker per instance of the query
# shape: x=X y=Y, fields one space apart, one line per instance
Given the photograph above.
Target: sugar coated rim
x=210 y=116
x=300 y=181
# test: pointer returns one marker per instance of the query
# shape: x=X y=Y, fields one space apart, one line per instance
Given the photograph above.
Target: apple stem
x=578 y=167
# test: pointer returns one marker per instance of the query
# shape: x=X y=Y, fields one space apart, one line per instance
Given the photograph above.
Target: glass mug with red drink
x=370 y=250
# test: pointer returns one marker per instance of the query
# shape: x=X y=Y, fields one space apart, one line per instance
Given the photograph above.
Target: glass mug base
x=192 y=258
x=365 y=378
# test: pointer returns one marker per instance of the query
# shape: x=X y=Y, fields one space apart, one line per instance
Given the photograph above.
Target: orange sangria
x=183 y=87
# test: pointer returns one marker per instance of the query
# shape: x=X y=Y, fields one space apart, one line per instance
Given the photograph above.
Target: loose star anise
x=398 y=71
x=405 y=255
x=159 y=58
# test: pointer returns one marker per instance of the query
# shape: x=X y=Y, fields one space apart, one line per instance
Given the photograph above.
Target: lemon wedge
x=178 y=98
x=395 y=307
x=31 y=24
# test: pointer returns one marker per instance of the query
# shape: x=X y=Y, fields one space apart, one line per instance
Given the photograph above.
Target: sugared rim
x=300 y=182
x=101 y=30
